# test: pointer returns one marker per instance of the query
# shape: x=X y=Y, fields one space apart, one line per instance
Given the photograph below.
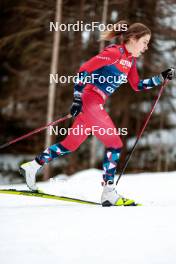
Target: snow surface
x=35 y=230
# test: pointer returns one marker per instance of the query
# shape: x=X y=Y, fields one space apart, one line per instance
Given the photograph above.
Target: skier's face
x=139 y=46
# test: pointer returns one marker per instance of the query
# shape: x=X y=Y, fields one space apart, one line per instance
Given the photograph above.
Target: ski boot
x=110 y=197
x=29 y=170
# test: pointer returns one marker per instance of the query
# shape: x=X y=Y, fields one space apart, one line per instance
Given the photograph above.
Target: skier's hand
x=76 y=105
x=168 y=74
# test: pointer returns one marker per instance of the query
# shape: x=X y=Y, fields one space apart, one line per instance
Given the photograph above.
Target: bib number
x=110 y=89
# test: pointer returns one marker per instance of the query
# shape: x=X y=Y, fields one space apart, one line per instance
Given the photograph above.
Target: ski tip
x=132 y=203
x=125 y=202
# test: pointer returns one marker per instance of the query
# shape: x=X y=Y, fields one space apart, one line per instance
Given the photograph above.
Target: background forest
x=26 y=46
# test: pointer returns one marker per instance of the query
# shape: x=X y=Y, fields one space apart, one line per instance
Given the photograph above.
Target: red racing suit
x=99 y=78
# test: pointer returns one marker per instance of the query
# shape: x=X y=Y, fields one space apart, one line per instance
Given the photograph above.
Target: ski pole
x=35 y=131
x=142 y=129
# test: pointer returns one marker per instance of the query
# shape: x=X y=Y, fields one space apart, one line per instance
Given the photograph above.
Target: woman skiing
x=90 y=95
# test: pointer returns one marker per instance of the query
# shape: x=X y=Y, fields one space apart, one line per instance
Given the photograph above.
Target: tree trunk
x=102 y=44
x=52 y=86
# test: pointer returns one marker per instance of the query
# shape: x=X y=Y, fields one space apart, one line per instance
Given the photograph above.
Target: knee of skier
x=69 y=145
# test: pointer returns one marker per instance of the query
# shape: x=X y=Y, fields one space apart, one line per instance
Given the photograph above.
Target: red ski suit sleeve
x=145 y=84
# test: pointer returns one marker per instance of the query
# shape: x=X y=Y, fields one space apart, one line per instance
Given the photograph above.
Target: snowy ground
x=35 y=230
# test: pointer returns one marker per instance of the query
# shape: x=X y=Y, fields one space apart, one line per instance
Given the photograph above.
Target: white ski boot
x=29 y=170
x=109 y=195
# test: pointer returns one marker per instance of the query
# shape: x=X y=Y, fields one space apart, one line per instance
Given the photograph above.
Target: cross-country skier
x=115 y=64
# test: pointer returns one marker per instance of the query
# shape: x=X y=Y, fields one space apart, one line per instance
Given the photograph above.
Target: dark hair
x=124 y=31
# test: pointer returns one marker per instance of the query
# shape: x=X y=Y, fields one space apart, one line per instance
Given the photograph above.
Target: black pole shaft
x=142 y=130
